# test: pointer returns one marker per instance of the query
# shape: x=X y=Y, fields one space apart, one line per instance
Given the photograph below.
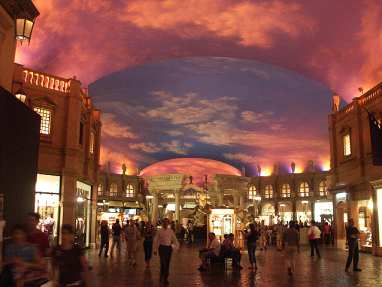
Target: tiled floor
x=328 y=271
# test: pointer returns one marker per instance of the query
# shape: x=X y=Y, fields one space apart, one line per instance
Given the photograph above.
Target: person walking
x=292 y=246
x=131 y=237
x=116 y=234
x=252 y=236
x=104 y=233
x=314 y=235
x=69 y=265
x=279 y=235
x=35 y=236
x=263 y=236
x=164 y=243
x=326 y=233
x=148 y=235
x=352 y=237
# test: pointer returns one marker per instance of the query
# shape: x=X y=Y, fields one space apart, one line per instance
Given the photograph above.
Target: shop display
x=47 y=204
x=221 y=221
x=82 y=213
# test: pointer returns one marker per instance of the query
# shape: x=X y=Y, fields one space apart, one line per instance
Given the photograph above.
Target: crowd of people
x=286 y=237
x=30 y=258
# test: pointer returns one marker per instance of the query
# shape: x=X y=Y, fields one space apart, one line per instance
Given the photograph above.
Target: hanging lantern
x=21 y=96
x=24 y=28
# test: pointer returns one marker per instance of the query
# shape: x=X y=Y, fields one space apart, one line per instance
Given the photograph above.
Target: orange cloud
x=114 y=129
x=250 y=22
x=116 y=160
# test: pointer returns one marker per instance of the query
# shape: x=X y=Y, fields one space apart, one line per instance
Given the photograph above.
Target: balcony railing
x=46 y=81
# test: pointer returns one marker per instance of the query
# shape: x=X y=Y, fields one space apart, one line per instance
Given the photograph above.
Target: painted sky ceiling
x=333 y=42
x=237 y=111
x=336 y=42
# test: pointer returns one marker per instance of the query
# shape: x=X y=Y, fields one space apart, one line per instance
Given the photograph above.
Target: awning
x=131 y=204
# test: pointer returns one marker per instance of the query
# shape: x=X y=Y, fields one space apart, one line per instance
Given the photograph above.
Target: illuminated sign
x=342 y=196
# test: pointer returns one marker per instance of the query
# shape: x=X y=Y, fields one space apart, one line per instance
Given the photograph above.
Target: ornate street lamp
x=24 y=28
x=21 y=96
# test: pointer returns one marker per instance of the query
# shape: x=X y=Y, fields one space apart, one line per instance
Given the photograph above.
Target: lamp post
x=24 y=27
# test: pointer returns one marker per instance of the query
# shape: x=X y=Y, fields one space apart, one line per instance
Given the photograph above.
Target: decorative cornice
x=20 y=7
x=377 y=184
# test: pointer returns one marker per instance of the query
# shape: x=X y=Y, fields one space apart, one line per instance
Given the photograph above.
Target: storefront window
x=379 y=208
x=285 y=212
x=364 y=224
x=323 y=211
x=47 y=203
x=304 y=212
x=83 y=212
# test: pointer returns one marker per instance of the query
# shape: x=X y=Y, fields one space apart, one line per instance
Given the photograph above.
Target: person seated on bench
x=211 y=251
x=231 y=251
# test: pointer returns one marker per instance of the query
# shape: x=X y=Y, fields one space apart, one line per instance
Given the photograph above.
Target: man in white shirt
x=164 y=242
x=211 y=251
x=314 y=235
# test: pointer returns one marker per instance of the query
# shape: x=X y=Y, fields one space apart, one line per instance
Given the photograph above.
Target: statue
x=335 y=103
x=293 y=166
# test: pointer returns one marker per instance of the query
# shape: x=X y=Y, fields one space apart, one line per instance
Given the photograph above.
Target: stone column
x=294 y=209
x=241 y=202
x=235 y=201
x=312 y=208
x=68 y=199
x=220 y=198
x=154 y=211
x=177 y=205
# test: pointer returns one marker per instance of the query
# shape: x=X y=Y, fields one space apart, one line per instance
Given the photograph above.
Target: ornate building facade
x=69 y=151
x=119 y=196
x=297 y=196
x=355 y=181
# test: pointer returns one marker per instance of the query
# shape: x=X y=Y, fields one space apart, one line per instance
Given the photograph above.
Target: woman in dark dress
x=148 y=235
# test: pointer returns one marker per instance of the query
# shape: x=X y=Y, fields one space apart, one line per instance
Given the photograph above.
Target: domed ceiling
x=196 y=167
x=241 y=112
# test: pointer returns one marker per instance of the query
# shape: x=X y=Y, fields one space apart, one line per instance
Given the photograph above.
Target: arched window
x=304 y=189
x=285 y=190
x=252 y=192
x=268 y=191
x=100 y=190
x=129 y=190
x=323 y=188
x=113 y=189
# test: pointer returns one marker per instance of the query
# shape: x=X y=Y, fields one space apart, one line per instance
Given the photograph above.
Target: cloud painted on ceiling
x=241 y=112
x=325 y=40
